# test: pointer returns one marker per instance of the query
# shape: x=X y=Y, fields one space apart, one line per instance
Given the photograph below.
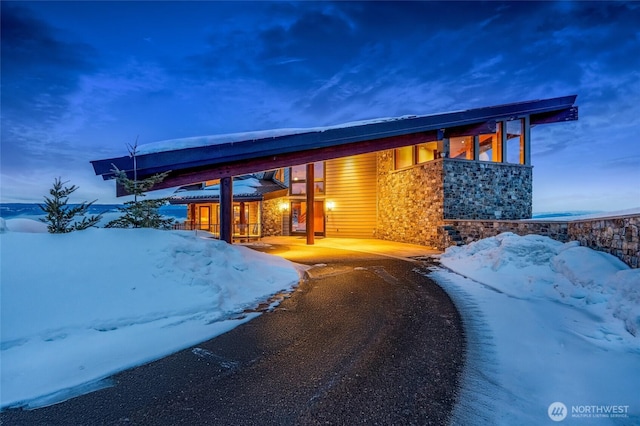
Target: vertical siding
x=351 y=185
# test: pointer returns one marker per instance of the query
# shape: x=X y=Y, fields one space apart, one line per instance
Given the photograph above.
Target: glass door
x=299 y=217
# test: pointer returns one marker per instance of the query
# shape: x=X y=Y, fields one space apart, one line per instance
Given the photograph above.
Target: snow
x=23 y=225
x=578 y=216
x=240 y=187
x=200 y=141
x=545 y=322
x=79 y=307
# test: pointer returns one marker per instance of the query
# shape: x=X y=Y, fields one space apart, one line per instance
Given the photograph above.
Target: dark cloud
x=38 y=66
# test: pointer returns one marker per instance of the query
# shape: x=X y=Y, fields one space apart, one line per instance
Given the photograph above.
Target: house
x=395 y=178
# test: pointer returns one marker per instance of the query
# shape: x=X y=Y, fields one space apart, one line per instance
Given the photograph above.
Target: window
x=299 y=179
x=279 y=175
x=461 y=147
x=408 y=156
x=404 y=157
x=428 y=151
x=515 y=142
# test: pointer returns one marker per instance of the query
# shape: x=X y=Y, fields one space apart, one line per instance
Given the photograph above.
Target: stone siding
x=271 y=218
x=414 y=202
x=410 y=201
x=618 y=236
x=486 y=190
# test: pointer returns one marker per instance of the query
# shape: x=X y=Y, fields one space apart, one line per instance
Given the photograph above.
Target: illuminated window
x=279 y=175
x=461 y=148
x=487 y=143
x=299 y=179
x=515 y=142
x=428 y=151
x=404 y=157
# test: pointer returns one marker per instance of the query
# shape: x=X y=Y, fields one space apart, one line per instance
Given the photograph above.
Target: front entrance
x=204 y=217
x=299 y=217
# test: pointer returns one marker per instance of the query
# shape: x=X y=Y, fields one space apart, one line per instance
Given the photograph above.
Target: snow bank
x=534 y=266
x=545 y=322
x=79 y=307
x=25 y=225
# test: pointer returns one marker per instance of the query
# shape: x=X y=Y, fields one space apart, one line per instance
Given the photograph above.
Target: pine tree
x=61 y=218
x=140 y=213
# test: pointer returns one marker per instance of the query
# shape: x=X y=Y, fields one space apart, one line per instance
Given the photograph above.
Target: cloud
x=39 y=67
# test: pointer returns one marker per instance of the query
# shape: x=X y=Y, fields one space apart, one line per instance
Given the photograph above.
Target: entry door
x=204 y=217
x=299 y=217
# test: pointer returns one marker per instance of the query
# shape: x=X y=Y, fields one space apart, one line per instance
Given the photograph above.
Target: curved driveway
x=363 y=340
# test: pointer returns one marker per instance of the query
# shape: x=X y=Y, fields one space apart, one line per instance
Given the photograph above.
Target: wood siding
x=351 y=185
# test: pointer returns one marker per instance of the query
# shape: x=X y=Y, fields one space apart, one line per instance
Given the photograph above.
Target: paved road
x=365 y=340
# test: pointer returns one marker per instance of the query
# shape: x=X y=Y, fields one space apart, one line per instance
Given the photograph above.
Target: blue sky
x=80 y=80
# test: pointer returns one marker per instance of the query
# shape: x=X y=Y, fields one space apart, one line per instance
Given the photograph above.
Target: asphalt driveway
x=363 y=340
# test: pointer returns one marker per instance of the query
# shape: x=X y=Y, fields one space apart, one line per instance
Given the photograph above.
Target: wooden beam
x=189 y=176
x=226 y=209
x=310 y=223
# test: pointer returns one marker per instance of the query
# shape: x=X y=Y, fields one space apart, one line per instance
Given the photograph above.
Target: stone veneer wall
x=413 y=202
x=474 y=230
x=271 y=218
x=618 y=236
x=410 y=201
x=486 y=190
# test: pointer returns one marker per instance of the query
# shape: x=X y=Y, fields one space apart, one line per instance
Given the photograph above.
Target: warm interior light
x=330 y=205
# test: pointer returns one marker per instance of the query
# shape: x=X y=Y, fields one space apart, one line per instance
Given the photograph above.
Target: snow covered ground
x=546 y=323
x=79 y=307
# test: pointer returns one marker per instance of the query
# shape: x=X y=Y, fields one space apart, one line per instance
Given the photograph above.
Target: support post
x=526 y=134
x=310 y=204
x=243 y=219
x=503 y=142
x=446 y=147
x=476 y=147
x=226 y=209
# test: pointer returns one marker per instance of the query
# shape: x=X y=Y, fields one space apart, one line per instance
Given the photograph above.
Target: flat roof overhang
x=220 y=160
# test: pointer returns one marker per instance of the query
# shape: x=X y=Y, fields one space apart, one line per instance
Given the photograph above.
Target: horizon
x=78 y=87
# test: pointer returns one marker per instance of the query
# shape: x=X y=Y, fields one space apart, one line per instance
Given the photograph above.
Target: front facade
x=397 y=179
x=402 y=194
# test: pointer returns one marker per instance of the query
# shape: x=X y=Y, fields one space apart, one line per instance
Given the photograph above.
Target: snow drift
x=79 y=307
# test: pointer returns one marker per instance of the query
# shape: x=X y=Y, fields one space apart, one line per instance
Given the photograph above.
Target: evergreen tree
x=140 y=213
x=61 y=218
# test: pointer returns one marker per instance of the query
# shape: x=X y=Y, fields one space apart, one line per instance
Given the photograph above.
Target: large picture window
x=299 y=179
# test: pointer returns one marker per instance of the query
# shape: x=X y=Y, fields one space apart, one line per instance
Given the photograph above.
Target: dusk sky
x=80 y=80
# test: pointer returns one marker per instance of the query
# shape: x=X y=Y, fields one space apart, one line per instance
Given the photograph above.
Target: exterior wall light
x=331 y=205
x=284 y=206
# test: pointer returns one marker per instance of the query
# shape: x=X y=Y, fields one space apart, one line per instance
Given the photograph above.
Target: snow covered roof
x=245 y=188
x=197 y=159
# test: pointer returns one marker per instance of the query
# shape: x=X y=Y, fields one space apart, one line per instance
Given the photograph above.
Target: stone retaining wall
x=618 y=236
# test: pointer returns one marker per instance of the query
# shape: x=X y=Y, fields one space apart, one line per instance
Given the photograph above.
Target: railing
x=240 y=231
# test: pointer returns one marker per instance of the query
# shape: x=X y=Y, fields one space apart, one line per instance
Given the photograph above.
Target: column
x=310 y=204
x=226 y=209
